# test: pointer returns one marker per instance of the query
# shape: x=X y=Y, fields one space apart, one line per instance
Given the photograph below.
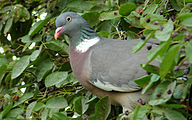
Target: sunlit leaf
x=23 y=98
x=57 y=102
x=30 y=108
x=126 y=9
x=8 y=25
x=173 y=115
x=20 y=66
x=168 y=60
x=55 y=78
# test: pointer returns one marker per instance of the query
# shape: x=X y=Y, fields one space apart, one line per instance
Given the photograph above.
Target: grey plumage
x=105 y=67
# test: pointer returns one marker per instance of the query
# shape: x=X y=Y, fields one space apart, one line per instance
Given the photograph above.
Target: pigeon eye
x=68 y=19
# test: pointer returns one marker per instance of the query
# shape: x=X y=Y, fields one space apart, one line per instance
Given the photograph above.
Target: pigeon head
x=68 y=23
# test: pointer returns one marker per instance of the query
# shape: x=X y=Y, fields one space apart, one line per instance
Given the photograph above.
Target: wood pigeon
x=105 y=67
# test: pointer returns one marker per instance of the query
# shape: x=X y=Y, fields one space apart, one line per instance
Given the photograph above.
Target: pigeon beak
x=58 y=32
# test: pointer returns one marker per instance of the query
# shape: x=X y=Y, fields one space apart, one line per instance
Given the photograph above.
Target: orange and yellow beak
x=56 y=35
x=58 y=32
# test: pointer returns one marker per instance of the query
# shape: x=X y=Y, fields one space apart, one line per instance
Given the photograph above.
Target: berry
x=4 y=84
x=85 y=116
x=51 y=1
x=126 y=112
x=159 y=95
x=44 y=37
x=148 y=73
x=45 y=6
x=176 y=68
x=19 y=52
x=142 y=37
x=144 y=15
x=189 y=36
x=12 y=51
x=56 y=7
x=115 y=13
x=174 y=34
x=161 y=28
x=155 y=23
x=45 y=1
x=182 y=51
x=0 y=19
x=141 y=101
x=83 y=94
x=147 y=20
x=51 y=11
x=35 y=17
x=149 y=47
x=186 y=39
x=169 y=92
x=19 y=39
x=185 y=63
x=186 y=71
x=161 y=12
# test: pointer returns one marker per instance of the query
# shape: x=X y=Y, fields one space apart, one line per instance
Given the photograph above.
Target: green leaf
x=153 y=17
x=99 y=8
x=92 y=18
x=2 y=69
x=143 y=80
x=173 y=106
x=55 y=78
x=80 y=106
x=35 y=54
x=173 y=115
x=80 y=4
x=109 y=15
x=188 y=49
x=20 y=66
x=43 y=68
x=127 y=8
x=139 y=112
x=102 y=109
x=183 y=16
x=160 y=94
x=38 y=106
x=57 y=102
x=38 y=26
x=178 y=91
x=14 y=113
x=60 y=116
x=58 y=46
x=8 y=25
x=36 y=91
x=160 y=50
x=150 y=68
x=3 y=61
x=168 y=60
x=187 y=22
x=166 y=33
x=44 y=114
x=30 y=108
x=7 y=109
x=23 y=98
x=141 y=43
x=5 y=9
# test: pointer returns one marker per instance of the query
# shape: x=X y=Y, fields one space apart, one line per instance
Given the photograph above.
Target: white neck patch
x=86 y=44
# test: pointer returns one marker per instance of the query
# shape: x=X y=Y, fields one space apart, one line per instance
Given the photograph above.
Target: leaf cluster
x=36 y=80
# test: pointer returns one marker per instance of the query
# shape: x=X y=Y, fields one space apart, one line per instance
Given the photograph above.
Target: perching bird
x=105 y=67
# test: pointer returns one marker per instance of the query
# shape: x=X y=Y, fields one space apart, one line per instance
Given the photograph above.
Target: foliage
x=36 y=81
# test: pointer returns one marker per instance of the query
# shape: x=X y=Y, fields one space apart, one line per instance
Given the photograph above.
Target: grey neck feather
x=87 y=33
